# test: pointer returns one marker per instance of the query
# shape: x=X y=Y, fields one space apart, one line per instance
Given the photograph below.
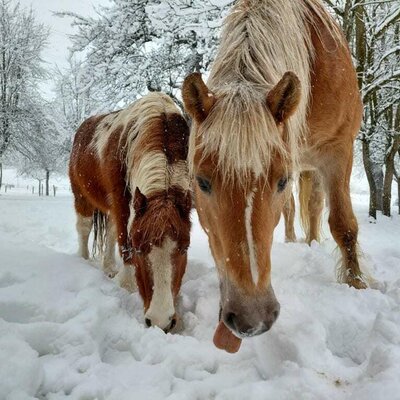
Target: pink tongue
x=224 y=339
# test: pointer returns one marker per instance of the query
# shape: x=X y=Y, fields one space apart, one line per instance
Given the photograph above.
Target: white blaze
x=161 y=307
x=248 y=213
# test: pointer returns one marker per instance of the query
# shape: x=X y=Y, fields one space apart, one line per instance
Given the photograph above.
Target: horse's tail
x=100 y=221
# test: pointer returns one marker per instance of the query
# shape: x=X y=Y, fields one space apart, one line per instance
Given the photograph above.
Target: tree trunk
x=378 y=175
x=370 y=177
x=360 y=43
x=361 y=55
x=1 y=174
x=397 y=175
x=387 y=190
x=387 y=186
x=394 y=124
x=398 y=194
x=47 y=182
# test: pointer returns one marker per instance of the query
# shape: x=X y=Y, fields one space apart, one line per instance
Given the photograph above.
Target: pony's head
x=159 y=222
x=160 y=235
x=241 y=159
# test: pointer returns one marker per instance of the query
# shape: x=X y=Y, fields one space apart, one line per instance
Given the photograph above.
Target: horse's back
x=109 y=149
x=335 y=107
x=84 y=165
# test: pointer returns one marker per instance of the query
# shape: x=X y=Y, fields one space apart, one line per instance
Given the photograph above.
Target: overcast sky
x=57 y=49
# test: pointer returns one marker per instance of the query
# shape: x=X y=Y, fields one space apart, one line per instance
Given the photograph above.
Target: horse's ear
x=284 y=98
x=139 y=203
x=198 y=100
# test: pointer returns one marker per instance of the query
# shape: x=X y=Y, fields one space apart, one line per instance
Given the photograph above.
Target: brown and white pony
x=282 y=97
x=131 y=165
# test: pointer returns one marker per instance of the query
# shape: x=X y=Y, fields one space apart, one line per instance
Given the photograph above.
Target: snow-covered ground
x=67 y=331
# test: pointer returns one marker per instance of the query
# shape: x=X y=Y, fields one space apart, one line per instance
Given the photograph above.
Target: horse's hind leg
x=315 y=208
x=342 y=221
x=311 y=204
x=108 y=263
x=288 y=214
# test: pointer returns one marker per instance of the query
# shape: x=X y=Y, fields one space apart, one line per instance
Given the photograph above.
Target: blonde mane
x=146 y=161
x=261 y=40
x=141 y=127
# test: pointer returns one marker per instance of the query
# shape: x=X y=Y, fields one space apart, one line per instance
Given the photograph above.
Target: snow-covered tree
x=21 y=68
x=372 y=29
x=75 y=99
x=378 y=44
x=137 y=46
x=134 y=46
x=41 y=145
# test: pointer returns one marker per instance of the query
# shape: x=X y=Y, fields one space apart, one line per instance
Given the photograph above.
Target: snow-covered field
x=67 y=331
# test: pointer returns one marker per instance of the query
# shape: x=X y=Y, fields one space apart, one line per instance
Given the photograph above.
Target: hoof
x=111 y=274
x=126 y=279
x=110 y=271
x=356 y=282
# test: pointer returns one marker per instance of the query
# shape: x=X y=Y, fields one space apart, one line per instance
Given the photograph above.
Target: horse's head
x=241 y=161
x=160 y=235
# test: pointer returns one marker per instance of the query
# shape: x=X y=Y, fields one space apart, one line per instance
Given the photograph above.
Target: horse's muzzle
x=239 y=324
x=248 y=315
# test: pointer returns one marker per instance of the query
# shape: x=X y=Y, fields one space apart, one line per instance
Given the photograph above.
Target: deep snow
x=67 y=331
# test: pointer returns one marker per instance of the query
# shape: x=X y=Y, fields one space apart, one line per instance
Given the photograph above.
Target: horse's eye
x=282 y=184
x=204 y=185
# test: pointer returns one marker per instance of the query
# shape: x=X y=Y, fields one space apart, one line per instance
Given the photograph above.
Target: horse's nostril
x=230 y=319
x=148 y=322
x=173 y=323
x=276 y=315
x=268 y=326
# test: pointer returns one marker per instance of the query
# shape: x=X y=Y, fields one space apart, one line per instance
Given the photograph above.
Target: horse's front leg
x=342 y=221
x=84 y=222
x=108 y=264
x=126 y=275
x=83 y=227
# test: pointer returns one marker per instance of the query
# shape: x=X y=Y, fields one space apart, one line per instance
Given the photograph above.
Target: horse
x=281 y=98
x=131 y=166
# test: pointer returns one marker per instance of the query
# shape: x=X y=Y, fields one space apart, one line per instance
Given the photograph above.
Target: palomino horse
x=281 y=97
x=131 y=165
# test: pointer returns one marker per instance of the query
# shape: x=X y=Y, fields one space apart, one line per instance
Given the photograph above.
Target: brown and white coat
x=131 y=166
